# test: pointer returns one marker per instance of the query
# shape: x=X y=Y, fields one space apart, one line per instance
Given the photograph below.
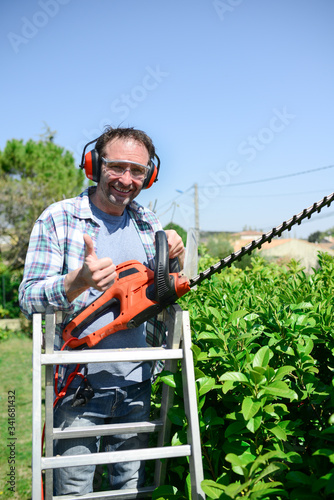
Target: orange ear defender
x=152 y=175
x=91 y=163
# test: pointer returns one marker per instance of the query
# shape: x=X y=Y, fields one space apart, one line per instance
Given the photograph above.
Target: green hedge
x=263 y=349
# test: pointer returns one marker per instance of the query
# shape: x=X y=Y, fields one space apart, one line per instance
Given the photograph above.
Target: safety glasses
x=118 y=168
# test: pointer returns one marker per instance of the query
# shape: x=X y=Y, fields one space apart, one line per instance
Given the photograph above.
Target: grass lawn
x=15 y=393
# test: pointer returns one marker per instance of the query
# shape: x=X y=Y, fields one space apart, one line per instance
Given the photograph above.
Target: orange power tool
x=139 y=292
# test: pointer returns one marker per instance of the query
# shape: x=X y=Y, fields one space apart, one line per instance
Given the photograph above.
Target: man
x=74 y=248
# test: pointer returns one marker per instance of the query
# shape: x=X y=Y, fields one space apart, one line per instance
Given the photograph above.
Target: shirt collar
x=83 y=210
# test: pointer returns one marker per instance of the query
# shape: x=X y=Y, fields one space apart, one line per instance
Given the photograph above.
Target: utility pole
x=152 y=207
x=196 y=211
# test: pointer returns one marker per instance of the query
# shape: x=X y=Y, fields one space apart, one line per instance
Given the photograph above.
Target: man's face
x=114 y=192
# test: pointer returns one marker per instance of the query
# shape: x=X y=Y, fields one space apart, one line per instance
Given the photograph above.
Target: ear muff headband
x=90 y=162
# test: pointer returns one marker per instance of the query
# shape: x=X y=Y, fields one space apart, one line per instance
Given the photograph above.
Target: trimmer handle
x=174 y=265
x=163 y=282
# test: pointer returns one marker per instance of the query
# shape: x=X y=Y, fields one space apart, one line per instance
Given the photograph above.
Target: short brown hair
x=124 y=133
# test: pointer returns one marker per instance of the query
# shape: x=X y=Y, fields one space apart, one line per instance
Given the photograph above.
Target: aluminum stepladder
x=178 y=348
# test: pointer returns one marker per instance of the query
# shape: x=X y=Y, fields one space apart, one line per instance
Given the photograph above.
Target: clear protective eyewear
x=137 y=170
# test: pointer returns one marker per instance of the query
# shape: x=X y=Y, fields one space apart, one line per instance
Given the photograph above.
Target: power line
x=175 y=198
x=168 y=209
x=303 y=172
x=269 y=178
x=276 y=195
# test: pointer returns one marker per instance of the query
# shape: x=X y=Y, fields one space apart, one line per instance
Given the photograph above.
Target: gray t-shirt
x=118 y=239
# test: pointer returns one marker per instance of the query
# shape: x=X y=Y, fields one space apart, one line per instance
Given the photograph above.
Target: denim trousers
x=114 y=406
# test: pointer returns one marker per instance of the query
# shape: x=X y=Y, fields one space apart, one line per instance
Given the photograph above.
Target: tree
x=32 y=176
x=315 y=237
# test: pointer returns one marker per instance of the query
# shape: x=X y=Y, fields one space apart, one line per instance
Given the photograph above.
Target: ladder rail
x=190 y=403
x=174 y=327
x=50 y=325
x=37 y=408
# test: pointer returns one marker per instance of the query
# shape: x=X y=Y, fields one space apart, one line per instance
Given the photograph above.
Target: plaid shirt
x=57 y=247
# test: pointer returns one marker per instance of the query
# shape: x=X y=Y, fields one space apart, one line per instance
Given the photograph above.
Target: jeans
x=120 y=405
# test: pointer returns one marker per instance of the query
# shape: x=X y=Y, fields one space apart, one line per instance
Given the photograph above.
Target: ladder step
x=110 y=355
x=111 y=495
x=111 y=457
x=107 y=430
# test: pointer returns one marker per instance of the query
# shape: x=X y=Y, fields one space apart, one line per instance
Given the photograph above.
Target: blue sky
x=231 y=91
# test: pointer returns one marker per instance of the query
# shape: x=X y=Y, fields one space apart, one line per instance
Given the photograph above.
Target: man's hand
x=96 y=273
x=175 y=246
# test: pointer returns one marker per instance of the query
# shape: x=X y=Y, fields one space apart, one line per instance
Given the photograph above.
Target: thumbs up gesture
x=97 y=273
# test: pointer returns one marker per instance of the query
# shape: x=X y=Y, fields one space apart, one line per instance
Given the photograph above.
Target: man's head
x=91 y=161
x=124 y=161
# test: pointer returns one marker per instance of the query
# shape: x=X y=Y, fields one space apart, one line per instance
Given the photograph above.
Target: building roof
x=303 y=251
x=285 y=249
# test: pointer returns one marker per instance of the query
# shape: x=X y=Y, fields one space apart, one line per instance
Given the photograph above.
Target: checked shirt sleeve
x=43 y=279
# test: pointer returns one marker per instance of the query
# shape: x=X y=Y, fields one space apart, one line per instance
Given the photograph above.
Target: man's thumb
x=89 y=246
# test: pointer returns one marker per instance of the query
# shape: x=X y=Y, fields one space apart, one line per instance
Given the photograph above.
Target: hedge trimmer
x=142 y=293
